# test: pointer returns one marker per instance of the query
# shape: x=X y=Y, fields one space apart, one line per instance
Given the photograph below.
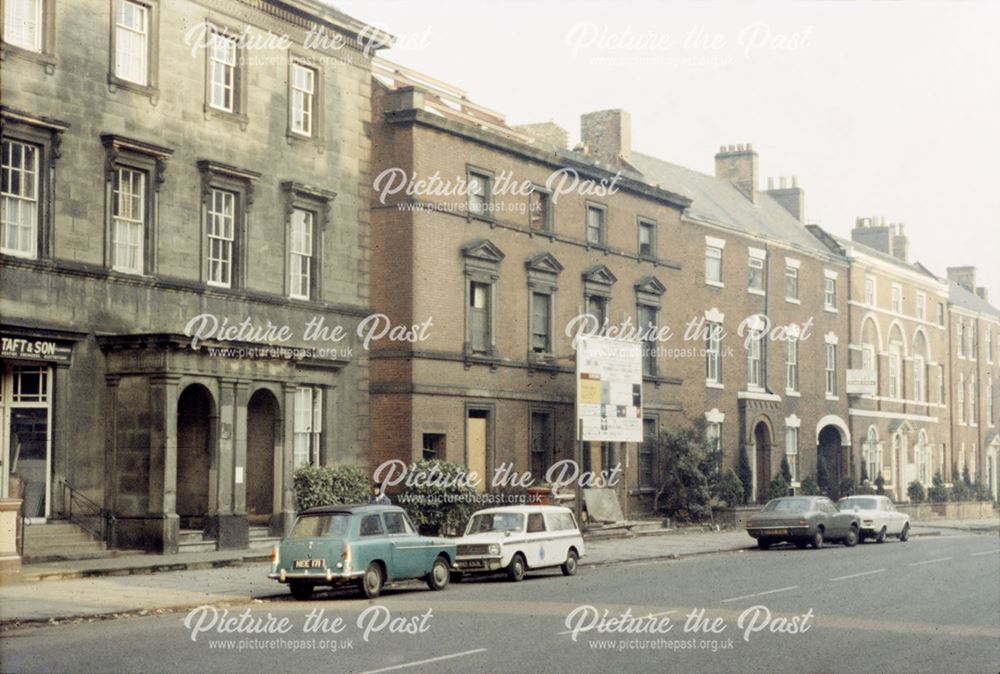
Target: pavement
x=143 y=584
x=928 y=605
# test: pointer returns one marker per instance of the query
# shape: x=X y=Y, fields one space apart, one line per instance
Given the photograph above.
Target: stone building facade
x=161 y=162
x=500 y=274
x=975 y=379
x=897 y=337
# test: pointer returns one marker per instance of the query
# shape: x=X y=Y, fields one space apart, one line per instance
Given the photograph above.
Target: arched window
x=872 y=454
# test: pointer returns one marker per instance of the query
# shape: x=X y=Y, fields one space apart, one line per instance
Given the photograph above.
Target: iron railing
x=85 y=513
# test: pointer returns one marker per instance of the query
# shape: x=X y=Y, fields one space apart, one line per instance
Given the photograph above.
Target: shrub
x=439 y=502
x=938 y=493
x=786 y=470
x=960 y=491
x=730 y=489
x=846 y=487
x=809 y=486
x=823 y=476
x=915 y=491
x=329 y=485
x=981 y=492
x=688 y=464
x=965 y=476
x=746 y=475
x=778 y=487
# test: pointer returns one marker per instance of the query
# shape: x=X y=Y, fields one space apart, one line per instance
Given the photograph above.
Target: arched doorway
x=195 y=445
x=828 y=450
x=762 y=447
x=263 y=417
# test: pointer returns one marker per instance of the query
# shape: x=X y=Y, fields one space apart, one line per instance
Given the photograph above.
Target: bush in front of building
x=689 y=471
x=729 y=491
x=823 y=477
x=746 y=475
x=438 y=497
x=809 y=486
x=961 y=491
x=938 y=493
x=846 y=487
x=915 y=491
x=778 y=487
x=329 y=485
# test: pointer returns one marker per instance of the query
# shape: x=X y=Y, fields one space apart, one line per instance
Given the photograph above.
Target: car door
x=836 y=521
x=409 y=555
x=893 y=518
x=371 y=544
x=560 y=541
x=537 y=550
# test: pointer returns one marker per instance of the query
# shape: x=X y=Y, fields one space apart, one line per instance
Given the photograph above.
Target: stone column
x=286 y=517
x=163 y=524
x=62 y=437
x=231 y=530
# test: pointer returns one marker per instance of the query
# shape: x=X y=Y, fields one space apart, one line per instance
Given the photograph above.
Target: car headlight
x=494 y=549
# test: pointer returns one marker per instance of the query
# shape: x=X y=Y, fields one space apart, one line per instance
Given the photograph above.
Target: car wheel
x=817 y=539
x=852 y=537
x=763 y=543
x=801 y=544
x=301 y=590
x=569 y=566
x=881 y=536
x=371 y=582
x=516 y=568
x=905 y=533
x=440 y=574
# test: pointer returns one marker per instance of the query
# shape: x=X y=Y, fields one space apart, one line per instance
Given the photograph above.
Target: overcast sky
x=879 y=108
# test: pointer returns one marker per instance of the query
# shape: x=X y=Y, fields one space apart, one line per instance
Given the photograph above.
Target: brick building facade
x=161 y=163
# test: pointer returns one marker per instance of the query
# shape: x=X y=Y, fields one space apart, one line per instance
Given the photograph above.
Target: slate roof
x=717 y=201
x=960 y=296
x=885 y=257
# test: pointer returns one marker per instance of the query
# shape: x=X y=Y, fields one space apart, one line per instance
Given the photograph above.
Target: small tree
x=938 y=493
x=915 y=491
x=846 y=487
x=823 y=476
x=966 y=478
x=786 y=470
x=730 y=489
x=809 y=486
x=689 y=463
x=778 y=487
x=746 y=475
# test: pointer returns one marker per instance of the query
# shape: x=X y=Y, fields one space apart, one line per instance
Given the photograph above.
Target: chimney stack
x=737 y=164
x=888 y=239
x=607 y=134
x=984 y=293
x=546 y=132
x=900 y=244
x=963 y=276
x=792 y=199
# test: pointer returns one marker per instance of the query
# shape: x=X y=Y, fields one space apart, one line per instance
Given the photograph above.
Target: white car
x=879 y=517
x=516 y=539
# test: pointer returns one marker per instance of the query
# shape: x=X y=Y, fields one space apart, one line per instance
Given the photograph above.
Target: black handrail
x=86 y=513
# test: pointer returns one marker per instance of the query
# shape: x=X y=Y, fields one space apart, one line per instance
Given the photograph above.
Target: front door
x=476 y=446
x=26 y=436
x=262 y=421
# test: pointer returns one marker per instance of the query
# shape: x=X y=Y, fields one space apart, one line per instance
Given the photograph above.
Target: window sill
x=715 y=284
x=832 y=398
x=793 y=394
x=832 y=310
x=151 y=92
x=793 y=300
x=50 y=61
x=754 y=291
x=714 y=384
x=470 y=216
x=296 y=137
x=235 y=117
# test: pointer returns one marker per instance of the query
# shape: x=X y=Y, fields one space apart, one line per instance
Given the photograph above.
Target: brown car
x=803 y=520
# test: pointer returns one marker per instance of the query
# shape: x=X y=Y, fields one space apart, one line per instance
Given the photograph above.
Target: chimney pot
x=770 y=183
x=782 y=182
x=738 y=169
x=795 y=181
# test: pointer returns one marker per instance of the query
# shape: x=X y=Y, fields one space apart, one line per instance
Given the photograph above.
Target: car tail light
x=275 y=555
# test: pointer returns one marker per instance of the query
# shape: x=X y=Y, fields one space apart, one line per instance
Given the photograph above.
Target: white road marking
x=988 y=552
x=424 y=662
x=929 y=561
x=761 y=594
x=858 y=575
x=648 y=615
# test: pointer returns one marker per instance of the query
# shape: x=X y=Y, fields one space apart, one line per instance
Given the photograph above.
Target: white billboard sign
x=862 y=382
x=609 y=390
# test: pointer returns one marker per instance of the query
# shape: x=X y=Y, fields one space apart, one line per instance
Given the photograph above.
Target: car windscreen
x=859 y=503
x=791 y=505
x=312 y=526
x=485 y=522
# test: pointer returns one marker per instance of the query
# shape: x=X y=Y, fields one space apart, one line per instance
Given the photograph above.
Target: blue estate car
x=365 y=545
